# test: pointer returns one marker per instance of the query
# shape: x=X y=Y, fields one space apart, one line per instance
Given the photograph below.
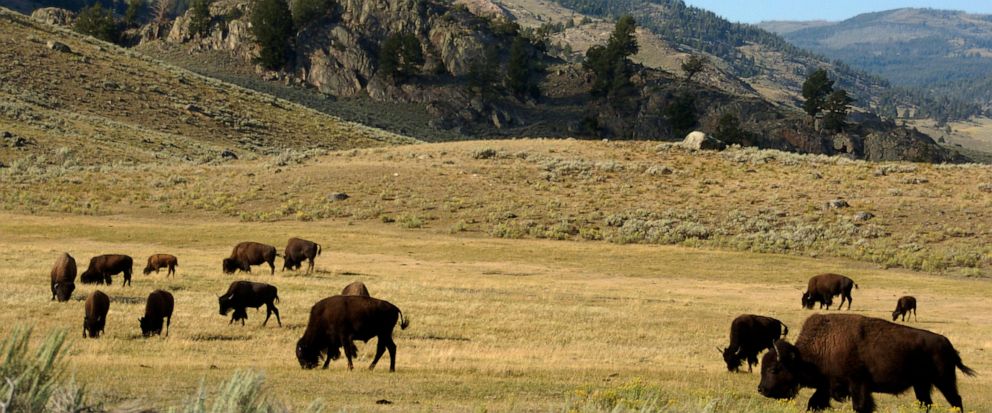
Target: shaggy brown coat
x=97 y=306
x=159 y=261
x=249 y=253
x=903 y=307
x=749 y=336
x=243 y=294
x=63 y=277
x=847 y=355
x=822 y=288
x=297 y=250
x=102 y=267
x=356 y=288
x=159 y=305
x=337 y=321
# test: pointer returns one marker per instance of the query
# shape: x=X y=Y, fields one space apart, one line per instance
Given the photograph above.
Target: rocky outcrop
x=486 y=8
x=700 y=141
x=54 y=16
x=230 y=30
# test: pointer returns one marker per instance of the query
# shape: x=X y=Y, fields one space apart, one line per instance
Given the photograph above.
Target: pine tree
x=98 y=22
x=681 y=114
x=816 y=88
x=199 y=17
x=836 y=108
x=272 y=25
x=521 y=70
x=134 y=8
x=483 y=75
x=400 y=56
x=693 y=65
x=610 y=63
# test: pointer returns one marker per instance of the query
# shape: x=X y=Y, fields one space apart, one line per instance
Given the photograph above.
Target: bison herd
x=334 y=324
x=846 y=356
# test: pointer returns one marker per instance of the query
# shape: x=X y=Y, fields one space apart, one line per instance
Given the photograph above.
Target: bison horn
x=719 y=350
x=775 y=350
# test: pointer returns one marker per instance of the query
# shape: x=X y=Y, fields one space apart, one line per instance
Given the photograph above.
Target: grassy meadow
x=497 y=324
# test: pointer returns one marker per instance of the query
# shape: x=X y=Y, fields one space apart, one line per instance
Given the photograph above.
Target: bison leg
x=380 y=348
x=348 y=345
x=949 y=388
x=327 y=360
x=861 y=398
x=310 y=267
x=849 y=301
x=168 y=321
x=269 y=309
x=923 y=391
x=820 y=400
x=272 y=266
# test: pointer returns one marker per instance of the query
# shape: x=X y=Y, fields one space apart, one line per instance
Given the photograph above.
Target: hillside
x=948 y=52
x=99 y=104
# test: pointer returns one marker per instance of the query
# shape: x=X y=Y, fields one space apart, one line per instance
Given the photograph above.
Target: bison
x=903 y=307
x=97 y=305
x=63 y=277
x=298 y=250
x=102 y=267
x=159 y=261
x=247 y=254
x=336 y=321
x=822 y=288
x=749 y=336
x=847 y=355
x=159 y=305
x=243 y=294
x=356 y=288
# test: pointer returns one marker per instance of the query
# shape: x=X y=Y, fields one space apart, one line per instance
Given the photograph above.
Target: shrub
x=36 y=382
x=307 y=11
x=273 y=28
x=97 y=22
x=199 y=17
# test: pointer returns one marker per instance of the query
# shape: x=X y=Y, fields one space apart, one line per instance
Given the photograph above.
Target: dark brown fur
x=847 y=355
x=102 y=267
x=749 y=336
x=903 y=307
x=822 y=288
x=97 y=306
x=243 y=294
x=337 y=321
x=159 y=305
x=159 y=261
x=63 y=277
x=298 y=250
x=356 y=288
x=249 y=253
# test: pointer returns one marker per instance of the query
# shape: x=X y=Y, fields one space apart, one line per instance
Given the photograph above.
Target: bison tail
x=318 y=250
x=785 y=329
x=965 y=369
x=856 y=286
x=404 y=322
x=277 y=298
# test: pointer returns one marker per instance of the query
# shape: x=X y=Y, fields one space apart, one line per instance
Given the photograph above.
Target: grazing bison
x=822 y=288
x=159 y=261
x=247 y=254
x=750 y=335
x=102 y=267
x=903 y=307
x=298 y=250
x=63 y=277
x=356 y=288
x=847 y=355
x=336 y=321
x=243 y=294
x=159 y=305
x=97 y=305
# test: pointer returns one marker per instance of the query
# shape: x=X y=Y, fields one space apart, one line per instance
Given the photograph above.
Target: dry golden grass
x=497 y=324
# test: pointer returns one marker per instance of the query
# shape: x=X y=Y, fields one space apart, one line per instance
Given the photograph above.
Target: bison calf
x=903 y=307
x=822 y=288
x=356 y=288
x=850 y=356
x=337 y=321
x=97 y=305
x=243 y=294
x=749 y=336
x=63 y=277
x=247 y=254
x=159 y=305
x=102 y=267
x=297 y=250
x=159 y=261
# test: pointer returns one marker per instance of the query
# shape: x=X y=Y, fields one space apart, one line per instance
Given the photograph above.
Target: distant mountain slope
x=107 y=104
x=922 y=48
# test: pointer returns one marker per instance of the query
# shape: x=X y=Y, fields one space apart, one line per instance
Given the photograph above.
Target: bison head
x=289 y=264
x=225 y=303
x=93 y=325
x=63 y=290
x=230 y=265
x=148 y=270
x=808 y=300
x=780 y=371
x=895 y=315
x=308 y=356
x=149 y=326
x=731 y=358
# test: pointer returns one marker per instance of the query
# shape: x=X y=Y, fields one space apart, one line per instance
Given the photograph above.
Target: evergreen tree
x=816 y=88
x=693 y=65
x=98 y=22
x=306 y=11
x=273 y=28
x=400 y=56
x=134 y=8
x=836 y=108
x=484 y=74
x=199 y=17
x=521 y=70
x=681 y=114
x=610 y=63
x=728 y=130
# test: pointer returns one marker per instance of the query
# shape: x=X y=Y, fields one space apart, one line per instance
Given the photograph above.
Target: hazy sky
x=753 y=11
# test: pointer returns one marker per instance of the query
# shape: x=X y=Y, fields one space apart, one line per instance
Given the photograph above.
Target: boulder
x=54 y=16
x=863 y=216
x=228 y=154
x=702 y=142
x=58 y=46
x=338 y=196
x=837 y=204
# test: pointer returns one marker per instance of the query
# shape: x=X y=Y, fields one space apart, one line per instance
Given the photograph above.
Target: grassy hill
x=100 y=104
